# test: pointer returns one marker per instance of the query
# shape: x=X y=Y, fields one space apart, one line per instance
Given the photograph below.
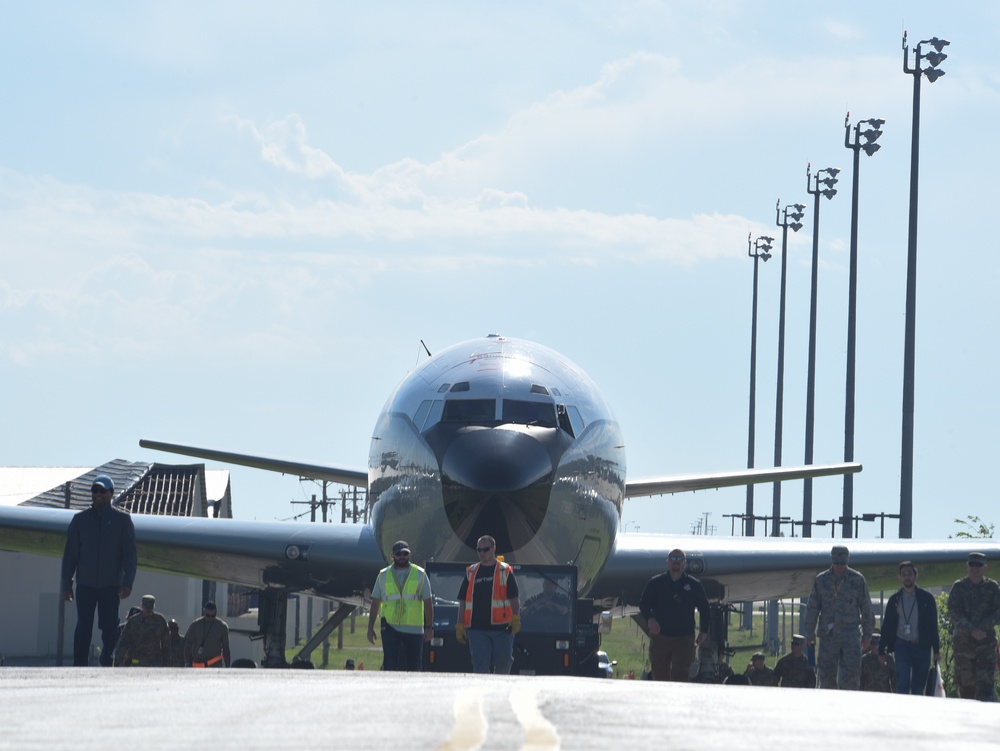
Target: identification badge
x=829 y=628
x=906 y=629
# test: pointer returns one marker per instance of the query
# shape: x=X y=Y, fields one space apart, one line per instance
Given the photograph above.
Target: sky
x=232 y=224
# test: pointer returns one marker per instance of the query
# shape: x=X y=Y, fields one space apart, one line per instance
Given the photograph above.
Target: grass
x=626 y=643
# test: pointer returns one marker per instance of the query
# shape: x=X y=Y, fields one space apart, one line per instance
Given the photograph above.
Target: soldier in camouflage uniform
x=878 y=674
x=758 y=672
x=841 y=607
x=176 y=645
x=145 y=640
x=793 y=670
x=974 y=609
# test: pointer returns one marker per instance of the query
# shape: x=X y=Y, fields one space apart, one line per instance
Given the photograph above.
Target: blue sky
x=231 y=225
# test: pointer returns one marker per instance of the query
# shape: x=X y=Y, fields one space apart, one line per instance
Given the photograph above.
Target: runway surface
x=91 y=708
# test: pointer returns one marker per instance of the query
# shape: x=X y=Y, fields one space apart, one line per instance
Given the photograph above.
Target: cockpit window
x=470 y=410
x=529 y=413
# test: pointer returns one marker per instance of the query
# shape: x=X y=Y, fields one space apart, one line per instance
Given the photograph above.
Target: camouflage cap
x=977 y=558
x=840 y=554
x=798 y=639
x=758 y=656
x=148 y=602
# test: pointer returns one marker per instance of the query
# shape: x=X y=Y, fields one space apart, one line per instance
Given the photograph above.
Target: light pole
x=827 y=177
x=862 y=142
x=935 y=58
x=758 y=250
x=787 y=218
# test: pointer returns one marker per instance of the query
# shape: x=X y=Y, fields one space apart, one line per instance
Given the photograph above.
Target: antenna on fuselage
x=425 y=348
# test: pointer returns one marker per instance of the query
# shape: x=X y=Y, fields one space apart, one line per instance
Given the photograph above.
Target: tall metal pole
x=909 y=339
x=758 y=250
x=784 y=223
x=829 y=192
x=870 y=148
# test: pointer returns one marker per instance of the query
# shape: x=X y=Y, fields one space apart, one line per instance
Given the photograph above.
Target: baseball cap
x=104 y=482
x=400 y=546
x=148 y=601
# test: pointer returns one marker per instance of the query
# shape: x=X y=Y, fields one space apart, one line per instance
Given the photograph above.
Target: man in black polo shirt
x=668 y=603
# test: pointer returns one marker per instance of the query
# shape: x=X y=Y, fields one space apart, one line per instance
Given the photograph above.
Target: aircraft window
x=529 y=413
x=444 y=387
x=463 y=386
x=536 y=389
x=470 y=410
x=564 y=422
x=421 y=415
x=555 y=391
x=545 y=602
x=435 y=414
x=576 y=420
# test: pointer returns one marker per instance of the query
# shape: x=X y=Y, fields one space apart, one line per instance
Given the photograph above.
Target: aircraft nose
x=495 y=461
x=497 y=481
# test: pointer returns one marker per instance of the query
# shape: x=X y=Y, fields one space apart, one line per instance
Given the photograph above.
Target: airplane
x=497 y=436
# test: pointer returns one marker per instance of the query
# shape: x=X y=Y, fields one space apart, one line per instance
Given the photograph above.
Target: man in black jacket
x=910 y=632
x=668 y=603
x=101 y=553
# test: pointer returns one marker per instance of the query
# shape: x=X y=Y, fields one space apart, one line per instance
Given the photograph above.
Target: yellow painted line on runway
x=469 y=731
x=539 y=733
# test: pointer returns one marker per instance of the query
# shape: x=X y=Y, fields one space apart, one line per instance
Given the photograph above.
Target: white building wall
x=29 y=589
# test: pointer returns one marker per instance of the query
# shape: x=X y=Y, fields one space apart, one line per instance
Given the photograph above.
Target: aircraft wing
x=333 y=560
x=344 y=476
x=739 y=569
x=687 y=483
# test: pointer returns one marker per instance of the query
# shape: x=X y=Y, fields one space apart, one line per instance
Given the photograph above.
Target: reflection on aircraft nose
x=495 y=461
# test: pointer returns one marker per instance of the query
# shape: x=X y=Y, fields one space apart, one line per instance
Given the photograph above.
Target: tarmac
x=100 y=708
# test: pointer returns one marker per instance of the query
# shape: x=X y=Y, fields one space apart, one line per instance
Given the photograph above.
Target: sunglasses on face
x=676 y=558
x=974 y=564
x=485 y=550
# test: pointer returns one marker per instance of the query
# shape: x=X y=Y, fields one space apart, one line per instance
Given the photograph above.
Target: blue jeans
x=401 y=651
x=913 y=663
x=488 y=648
x=105 y=601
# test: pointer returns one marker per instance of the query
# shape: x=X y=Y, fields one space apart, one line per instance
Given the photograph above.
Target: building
x=30 y=586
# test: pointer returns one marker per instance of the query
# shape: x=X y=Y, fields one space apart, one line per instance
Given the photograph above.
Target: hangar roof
x=163 y=489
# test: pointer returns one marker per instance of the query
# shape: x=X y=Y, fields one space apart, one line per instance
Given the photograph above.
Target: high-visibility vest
x=403 y=608
x=500 y=612
x=209 y=663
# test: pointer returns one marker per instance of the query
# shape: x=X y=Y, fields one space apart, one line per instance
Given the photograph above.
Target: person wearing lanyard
x=910 y=632
x=206 y=644
x=841 y=608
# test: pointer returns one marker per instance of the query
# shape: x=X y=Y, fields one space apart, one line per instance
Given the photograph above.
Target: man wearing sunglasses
x=100 y=553
x=840 y=608
x=489 y=611
x=668 y=603
x=974 y=609
x=402 y=593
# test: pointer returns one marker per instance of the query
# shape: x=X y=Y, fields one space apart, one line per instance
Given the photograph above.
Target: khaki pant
x=671 y=657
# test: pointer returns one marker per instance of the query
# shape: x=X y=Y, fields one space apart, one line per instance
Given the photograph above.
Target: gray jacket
x=100 y=549
x=839 y=607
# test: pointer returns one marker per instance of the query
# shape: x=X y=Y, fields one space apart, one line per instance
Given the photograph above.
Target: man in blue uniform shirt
x=101 y=553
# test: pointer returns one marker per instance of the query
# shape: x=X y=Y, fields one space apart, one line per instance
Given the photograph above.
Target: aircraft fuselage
x=499 y=437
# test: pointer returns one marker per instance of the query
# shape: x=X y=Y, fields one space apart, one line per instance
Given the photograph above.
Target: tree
x=974 y=528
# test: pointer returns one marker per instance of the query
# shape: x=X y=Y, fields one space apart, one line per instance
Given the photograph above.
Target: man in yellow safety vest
x=402 y=593
x=489 y=611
